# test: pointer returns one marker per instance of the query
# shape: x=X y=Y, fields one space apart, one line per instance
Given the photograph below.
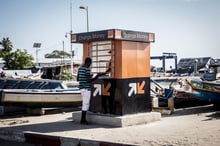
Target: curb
x=50 y=140
x=44 y=140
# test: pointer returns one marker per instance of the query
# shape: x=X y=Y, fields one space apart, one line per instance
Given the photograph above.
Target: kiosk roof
x=115 y=34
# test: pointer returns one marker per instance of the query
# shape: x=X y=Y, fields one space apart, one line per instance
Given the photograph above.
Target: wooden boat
x=205 y=90
x=39 y=98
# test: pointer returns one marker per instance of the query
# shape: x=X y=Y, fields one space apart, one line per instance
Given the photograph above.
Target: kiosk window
x=102 y=54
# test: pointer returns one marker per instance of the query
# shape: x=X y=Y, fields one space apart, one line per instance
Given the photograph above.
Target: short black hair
x=88 y=60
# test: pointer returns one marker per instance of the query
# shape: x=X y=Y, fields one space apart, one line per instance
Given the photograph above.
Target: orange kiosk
x=125 y=57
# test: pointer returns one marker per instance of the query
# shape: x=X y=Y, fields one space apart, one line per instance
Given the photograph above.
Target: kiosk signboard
x=112 y=34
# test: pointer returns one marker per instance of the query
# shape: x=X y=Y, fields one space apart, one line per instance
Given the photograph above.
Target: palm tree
x=6 y=44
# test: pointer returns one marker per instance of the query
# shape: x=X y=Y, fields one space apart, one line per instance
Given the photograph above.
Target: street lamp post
x=87 y=15
x=71 y=47
x=37 y=46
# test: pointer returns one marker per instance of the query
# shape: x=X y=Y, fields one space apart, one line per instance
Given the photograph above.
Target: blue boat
x=205 y=90
x=9 y=83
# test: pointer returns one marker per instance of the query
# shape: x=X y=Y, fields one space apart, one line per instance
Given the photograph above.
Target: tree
x=7 y=46
x=22 y=59
x=58 y=54
x=18 y=59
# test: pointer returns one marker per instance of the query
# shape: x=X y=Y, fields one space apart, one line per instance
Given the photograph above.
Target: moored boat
x=39 y=98
x=9 y=83
x=205 y=90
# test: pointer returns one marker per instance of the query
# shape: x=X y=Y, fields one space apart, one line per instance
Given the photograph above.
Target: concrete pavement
x=187 y=126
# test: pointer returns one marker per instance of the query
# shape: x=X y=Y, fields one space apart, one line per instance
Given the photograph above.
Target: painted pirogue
x=205 y=90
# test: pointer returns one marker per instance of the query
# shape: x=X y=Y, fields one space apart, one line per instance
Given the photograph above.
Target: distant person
x=85 y=79
x=2 y=74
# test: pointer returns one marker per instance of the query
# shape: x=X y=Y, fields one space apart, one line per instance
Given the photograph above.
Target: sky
x=189 y=28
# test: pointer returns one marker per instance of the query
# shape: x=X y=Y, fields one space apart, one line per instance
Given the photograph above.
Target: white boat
x=39 y=98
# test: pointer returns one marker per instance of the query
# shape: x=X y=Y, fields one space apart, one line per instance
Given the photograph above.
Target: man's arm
x=96 y=77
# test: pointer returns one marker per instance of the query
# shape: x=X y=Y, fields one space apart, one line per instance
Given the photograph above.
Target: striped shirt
x=83 y=74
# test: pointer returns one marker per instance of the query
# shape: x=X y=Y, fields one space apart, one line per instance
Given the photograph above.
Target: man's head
x=88 y=61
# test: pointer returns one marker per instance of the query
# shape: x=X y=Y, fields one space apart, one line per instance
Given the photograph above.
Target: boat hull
x=206 y=91
x=40 y=98
x=206 y=95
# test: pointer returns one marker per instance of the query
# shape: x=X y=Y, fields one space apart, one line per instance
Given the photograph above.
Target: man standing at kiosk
x=85 y=78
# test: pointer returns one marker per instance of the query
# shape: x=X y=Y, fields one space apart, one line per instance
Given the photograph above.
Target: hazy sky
x=189 y=28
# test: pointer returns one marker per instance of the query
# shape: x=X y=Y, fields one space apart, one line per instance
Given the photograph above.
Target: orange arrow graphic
x=140 y=87
x=105 y=89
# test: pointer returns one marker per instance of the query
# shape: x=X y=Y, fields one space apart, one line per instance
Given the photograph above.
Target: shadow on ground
x=214 y=113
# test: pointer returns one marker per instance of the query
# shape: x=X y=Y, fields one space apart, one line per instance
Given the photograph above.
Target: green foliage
x=18 y=59
x=58 y=54
x=7 y=45
x=66 y=75
x=22 y=59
